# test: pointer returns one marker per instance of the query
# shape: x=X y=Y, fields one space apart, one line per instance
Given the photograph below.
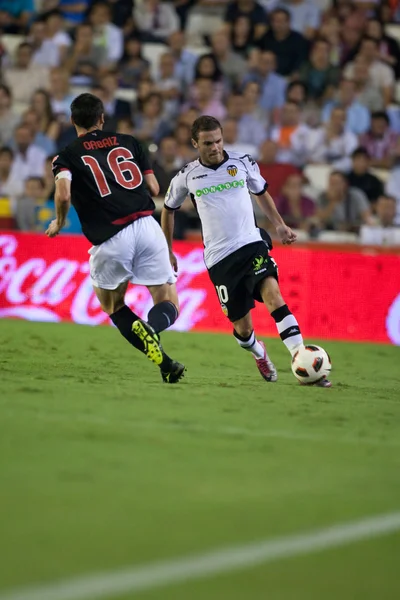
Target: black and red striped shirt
x=108 y=189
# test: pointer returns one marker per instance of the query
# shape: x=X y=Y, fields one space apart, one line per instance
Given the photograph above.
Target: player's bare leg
x=244 y=334
x=134 y=330
x=286 y=323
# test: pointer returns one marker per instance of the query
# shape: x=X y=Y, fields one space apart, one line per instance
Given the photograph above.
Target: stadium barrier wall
x=348 y=294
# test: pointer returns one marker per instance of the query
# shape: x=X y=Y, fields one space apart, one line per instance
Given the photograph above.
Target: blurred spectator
x=393 y=188
x=351 y=35
x=11 y=184
x=320 y=77
x=251 y=95
x=208 y=68
x=388 y=49
x=48 y=178
x=384 y=229
x=125 y=126
x=290 y=47
x=232 y=65
x=132 y=65
x=332 y=143
x=293 y=205
x=56 y=34
x=360 y=176
x=60 y=95
x=330 y=30
x=297 y=92
x=45 y=52
x=84 y=58
x=24 y=77
x=40 y=140
x=369 y=96
x=305 y=16
x=341 y=207
x=114 y=107
x=250 y=130
x=15 y=15
x=273 y=172
x=185 y=61
x=73 y=11
x=122 y=11
x=47 y=123
x=166 y=163
x=393 y=112
x=380 y=141
x=231 y=139
x=273 y=86
x=204 y=99
x=184 y=149
x=249 y=12
x=8 y=120
x=107 y=36
x=291 y=136
x=28 y=159
x=150 y=126
x=156 y=20
x=241 y=31
x=167 y=84
x=381 y=75
x=27 y=205
x=357 y=115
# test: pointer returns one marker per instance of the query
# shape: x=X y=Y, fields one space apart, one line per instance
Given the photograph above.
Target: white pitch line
x=154 y=575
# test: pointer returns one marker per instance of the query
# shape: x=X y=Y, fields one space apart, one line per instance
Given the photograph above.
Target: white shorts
x=138 y=253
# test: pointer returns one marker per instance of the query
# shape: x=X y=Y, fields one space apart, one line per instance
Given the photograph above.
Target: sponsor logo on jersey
x=200 y=176
x=232 y=170
x=259 y=264
x=221 y=187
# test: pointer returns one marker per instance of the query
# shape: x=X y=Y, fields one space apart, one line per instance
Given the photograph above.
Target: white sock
x=289 y=330
x=250 y=344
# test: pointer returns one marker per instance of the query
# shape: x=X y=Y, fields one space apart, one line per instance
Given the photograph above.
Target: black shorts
x=237 y=278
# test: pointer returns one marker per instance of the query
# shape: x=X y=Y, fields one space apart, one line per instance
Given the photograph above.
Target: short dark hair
x=296 y=83
x=341 y=174
x=204 y=123
x=86 y=110
x=360 y=151
x=25 y=45
x=368 y=38
x=388 y=197
x=281 y=9
x=7 y=150
x=37 y=179
x=380 y=114
x=5 y=89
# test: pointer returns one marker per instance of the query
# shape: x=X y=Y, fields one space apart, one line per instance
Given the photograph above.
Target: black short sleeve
x=60 y=163
x=142 y=158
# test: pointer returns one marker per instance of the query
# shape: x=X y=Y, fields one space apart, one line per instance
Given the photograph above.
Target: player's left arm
x=258 y=187
x=62 y=201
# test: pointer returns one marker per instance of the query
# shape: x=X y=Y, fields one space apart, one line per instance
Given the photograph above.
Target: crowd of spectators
x=307 y=87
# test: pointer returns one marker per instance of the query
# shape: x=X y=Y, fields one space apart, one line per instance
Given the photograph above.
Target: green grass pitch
x=102 y=466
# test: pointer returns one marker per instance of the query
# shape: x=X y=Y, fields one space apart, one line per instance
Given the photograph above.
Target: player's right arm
x=174 y=199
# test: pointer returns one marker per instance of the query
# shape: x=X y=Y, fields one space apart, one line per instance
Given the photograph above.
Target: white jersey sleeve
x=255 y=181
x=177 y=191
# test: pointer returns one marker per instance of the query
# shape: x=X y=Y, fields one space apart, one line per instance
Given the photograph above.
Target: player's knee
x=111 y=305
x=243 y=330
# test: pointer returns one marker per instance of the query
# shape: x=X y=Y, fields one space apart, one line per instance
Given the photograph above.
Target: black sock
x=162 y=315
x=123 y=320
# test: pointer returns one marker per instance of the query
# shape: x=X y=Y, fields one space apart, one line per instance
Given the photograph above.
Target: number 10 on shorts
x=222 y=292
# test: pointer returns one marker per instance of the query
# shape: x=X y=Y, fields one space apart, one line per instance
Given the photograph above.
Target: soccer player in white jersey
x=236 y=251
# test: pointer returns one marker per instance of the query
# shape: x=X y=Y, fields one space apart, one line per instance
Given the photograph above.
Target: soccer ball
x=310 y=364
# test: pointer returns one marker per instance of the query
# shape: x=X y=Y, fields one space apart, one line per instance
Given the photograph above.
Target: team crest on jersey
x=224 y=309
x=232 y=170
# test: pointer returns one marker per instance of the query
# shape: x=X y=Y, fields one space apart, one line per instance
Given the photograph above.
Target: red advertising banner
x=334 y=294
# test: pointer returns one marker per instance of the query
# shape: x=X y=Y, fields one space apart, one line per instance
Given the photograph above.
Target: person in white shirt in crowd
x=55 y=32
x=291 y=135
x=8 y=120
x=40 y=140
x=368 y=95
x=384 y=227
x=232 y=142
x=167 y=84
x=185 y=61
x=45 y=52
x=305 y=16
x=60 y=94
x=29 y=160
x=11 y=184
x=358 y=118
x=25 y=77
x=156 y=20
x=262 y=69
x=381 y=75
x=232 y=65
x=106 y=34
x=204 y=100
x=332 y=143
